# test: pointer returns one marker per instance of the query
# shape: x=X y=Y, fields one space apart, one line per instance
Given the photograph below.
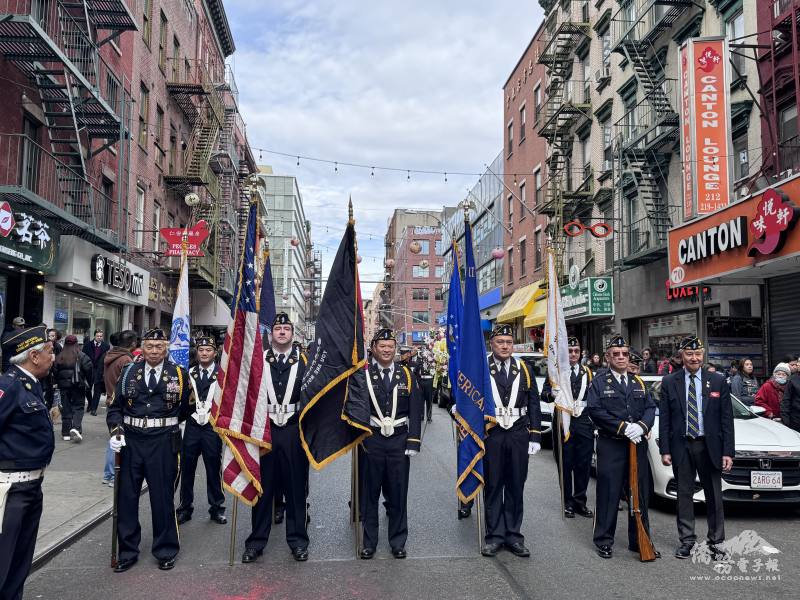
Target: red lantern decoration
x=498 y=253
x=294 y=242
x=358 y=258
x=306 y=294
x=415 y=247
x=389 y=263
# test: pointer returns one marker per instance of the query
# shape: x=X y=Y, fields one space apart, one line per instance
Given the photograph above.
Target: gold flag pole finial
x=350 y=211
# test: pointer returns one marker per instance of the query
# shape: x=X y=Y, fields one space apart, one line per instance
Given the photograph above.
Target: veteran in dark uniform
x=200 y=439
x=151 y=398
x=285 y=467
x=621 y=408
x=384 y=457
x=26 y=447
x=509 y=442
x=578 y=448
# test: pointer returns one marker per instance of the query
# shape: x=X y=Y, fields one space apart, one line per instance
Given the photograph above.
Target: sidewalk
x=74 y=497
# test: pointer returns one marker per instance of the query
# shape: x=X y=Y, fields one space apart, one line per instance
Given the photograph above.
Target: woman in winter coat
x=73 y=372
x=770 y=394
x=744 y=385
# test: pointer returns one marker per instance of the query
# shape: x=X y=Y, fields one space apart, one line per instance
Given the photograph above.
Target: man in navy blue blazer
x=695 y=432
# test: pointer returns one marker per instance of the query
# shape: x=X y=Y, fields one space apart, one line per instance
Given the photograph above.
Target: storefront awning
x=520 y=303
x=536 y=317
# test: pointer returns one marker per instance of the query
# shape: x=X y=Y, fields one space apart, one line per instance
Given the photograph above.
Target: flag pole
x=559 y=427
x=356 y=512
x=233 y=529
x=479 y=520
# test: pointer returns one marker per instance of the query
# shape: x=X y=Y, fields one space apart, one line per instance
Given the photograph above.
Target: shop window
x=661 y=334
x=740 y=308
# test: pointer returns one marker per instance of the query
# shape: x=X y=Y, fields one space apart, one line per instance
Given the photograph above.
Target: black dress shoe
x=684 y=551
x=278 y=518
x=569 y=513
x=300 y=554
x=490 y=550
x=399 y=552
x=464 y=513
x=251 y=554
x=124 y=565
x=183 y=517
x=93 y=413
x=605 y=551
x=584 y=512
x=218 y=518
x=367 y=553
x=166 y=564
x=519 y=549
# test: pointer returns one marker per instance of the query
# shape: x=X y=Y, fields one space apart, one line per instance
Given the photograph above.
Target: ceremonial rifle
x=115 y=506
x=647 y=552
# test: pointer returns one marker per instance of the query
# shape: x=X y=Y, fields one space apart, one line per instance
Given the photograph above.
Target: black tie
x=624 y=382
x=204 y=377
x=387 y=380
x=280 y=358
x=574 y=380
x=503 y=376
x=152 y=382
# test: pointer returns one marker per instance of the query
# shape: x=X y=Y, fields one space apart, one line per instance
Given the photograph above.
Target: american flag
x=240 y=404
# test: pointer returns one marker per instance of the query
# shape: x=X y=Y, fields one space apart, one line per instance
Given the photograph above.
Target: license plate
x=766 y=480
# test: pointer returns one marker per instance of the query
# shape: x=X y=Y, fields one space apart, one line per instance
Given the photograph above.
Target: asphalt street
x=444 y=559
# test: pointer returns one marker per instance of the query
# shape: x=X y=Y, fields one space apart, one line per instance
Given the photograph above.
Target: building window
x=438 y=294
x=138 y=222
x=510 y=265
x=787 y=146
x=523 y=258
x=156 y=224
x=521 y=124
x=734 y=30
x=438 y=271
x=587 y=81
x=420 y=316
x=608 y=146
x=522 y=201
x=537 y=184
x=510 y=210
x=144 y=111
x=537 y=103
x=162 y=43
x=418 y=271
x=176 y=58
x=112 y=92
x=586 y=157
x=437 y=247
x=740 y=157
x=629 y=118
x=147 y=28
x=159 y=133
x=420 y=294
x=537 y=250
x=510 y=138
x=425 y=245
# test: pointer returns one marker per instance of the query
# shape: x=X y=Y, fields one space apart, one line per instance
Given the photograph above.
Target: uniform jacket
x=612 y=408
x=280 y=372
x=172 y=397
x=203 y=388
x=26 y=431
x=527 y=396
x=717 y=416
x=96 y=355
x=581 y=425
x=409 y=401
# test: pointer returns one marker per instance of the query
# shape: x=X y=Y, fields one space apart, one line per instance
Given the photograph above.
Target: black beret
x=155 y=334
x=205 y=341
x=691 y=342
x=282 y=319
x=502 y=329
x=573 y=341
x=384 y=334
x=617 y=341
x=17 y=342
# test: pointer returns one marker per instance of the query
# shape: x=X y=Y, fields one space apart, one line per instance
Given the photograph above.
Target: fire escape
x=648 y=133
x=82 y=100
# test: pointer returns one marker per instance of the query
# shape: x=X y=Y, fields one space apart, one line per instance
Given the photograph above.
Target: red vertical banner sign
x=710 y=111
x=688 y=155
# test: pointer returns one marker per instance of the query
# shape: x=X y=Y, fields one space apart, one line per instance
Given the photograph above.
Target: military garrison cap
x=636 y=358
x=155 y=334
x=617 y=341
x=17 y=342
x=502 y=329
x=282 y=319
x=691 y=342
x=384 y=334
x=205 y=341
x=573 y=341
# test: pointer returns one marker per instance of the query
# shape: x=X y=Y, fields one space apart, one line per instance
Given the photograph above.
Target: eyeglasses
x=622 y=353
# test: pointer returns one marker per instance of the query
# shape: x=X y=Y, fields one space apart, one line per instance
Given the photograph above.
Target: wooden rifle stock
x=647 y=552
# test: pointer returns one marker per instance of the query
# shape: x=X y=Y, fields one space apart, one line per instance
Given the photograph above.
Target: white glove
x=634 y=430
x=453 y=410
x=533 y=448
x=201 y=417
x=637 y=439
x=412 y=452
x=116 y=443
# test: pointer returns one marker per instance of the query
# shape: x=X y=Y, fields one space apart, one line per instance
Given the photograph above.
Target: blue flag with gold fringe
x=471 y=387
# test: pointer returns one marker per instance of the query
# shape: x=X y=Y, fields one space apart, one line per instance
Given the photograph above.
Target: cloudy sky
x=413 y=84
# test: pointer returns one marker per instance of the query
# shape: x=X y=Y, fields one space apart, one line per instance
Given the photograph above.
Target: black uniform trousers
x=696 y=460
x=18 y=539
x=577 y=468
x=612 y=486
x=155 y=459
x=285 y=468
x=98 y=389
x=384 y=467
x=426 y=386
x=72 y=407
x=201 y=440
x=505 y=469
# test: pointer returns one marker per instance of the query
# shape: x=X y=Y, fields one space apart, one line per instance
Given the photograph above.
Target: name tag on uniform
x=609 y=392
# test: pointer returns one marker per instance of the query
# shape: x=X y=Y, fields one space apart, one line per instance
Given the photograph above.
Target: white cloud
x=414 y=85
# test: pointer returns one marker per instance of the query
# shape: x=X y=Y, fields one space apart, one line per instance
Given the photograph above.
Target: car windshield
x=740 y=411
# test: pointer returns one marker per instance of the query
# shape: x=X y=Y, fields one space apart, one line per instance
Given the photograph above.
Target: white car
x=537 y=363
x=766 y=466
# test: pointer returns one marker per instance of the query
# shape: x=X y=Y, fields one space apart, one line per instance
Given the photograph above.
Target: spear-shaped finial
x=350 y=211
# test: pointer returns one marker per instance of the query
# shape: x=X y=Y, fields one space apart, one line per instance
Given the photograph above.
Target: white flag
x=179 y=336
x=556 y=347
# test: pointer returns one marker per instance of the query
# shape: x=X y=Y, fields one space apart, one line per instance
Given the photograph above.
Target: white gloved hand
x=116 y=443
x=634 y=430
x=637 y=439
x=533 y=448
x=453 y=410
x=201 y=417
x=412 y=452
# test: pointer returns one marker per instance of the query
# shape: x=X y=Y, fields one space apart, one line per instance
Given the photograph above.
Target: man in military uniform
x=285 y=467
x=26 y=447
x=635 y=363
x=199 y=438
x=423 y=367
x=623 y=412
x=577 y=450
x=151 y=398
x=384 y=458
x=515 y=436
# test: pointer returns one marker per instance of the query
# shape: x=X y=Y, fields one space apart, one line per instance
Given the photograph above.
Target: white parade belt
x=8 y=479
x=279 y=413
x=506 y=413
x=387 y=424
x=144 y=423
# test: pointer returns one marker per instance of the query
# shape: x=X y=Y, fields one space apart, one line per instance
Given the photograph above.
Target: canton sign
x=115 y=274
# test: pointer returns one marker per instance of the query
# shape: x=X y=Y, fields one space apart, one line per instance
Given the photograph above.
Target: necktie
x=503 y=376
x=574 y=380
x=152 y=382
x=624 y=382
x=692 y=413
x=204 y=377
x=281 y=357
x=387 y=380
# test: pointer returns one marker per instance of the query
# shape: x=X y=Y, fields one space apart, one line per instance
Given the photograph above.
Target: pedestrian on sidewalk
x=73 y=374
x=26 y=448
x=744 y=385
x=96 y=350
x=770 y=394
x=116 y=359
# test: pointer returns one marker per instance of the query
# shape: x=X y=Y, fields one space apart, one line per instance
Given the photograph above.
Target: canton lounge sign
x=714 y=240
x=588 y=297
x=115 y=274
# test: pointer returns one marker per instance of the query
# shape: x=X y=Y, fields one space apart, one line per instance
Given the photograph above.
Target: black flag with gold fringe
x=334 y=416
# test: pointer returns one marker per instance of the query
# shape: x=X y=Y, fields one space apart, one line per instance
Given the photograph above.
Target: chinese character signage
x=194 y=237
x=774 y=217
x=588 y=297
x=26 y=239
x=705 y=125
